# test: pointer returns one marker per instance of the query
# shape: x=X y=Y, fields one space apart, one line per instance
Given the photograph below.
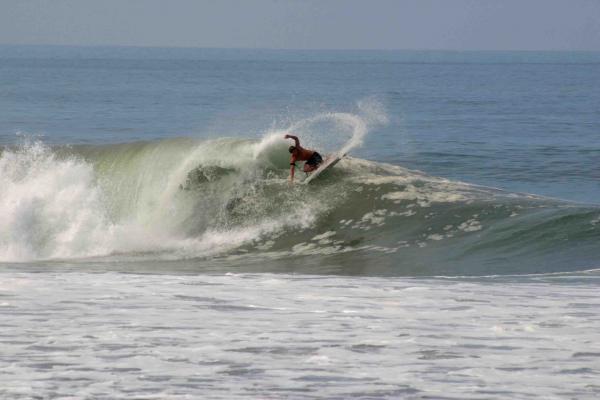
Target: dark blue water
x=521 y=121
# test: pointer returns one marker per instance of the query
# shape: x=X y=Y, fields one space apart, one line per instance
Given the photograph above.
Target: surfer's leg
x=309 y=167
x=313 y=162
x=318 y=159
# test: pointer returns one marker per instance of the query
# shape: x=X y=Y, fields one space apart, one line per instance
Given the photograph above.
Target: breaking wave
x=227 y=202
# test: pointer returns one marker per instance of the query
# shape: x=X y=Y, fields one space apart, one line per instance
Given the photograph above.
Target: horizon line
x=296 y=48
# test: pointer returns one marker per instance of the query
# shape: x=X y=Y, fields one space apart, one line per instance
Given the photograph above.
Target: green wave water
x=226 y=203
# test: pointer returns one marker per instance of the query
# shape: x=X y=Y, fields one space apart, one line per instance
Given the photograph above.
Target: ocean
x=151 y=246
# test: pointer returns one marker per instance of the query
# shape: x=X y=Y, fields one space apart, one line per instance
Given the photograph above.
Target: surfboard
x=329 y=162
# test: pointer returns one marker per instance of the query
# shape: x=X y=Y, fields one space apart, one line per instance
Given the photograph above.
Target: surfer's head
x=291 y=149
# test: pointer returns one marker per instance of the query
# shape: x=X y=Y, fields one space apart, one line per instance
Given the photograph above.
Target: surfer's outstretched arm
x=292 y=170
x=295 y=138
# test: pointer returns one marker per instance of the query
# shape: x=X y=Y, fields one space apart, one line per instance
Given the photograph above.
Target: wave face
x=226 y=203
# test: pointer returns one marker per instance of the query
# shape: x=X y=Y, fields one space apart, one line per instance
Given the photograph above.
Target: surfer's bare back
x=311 y=158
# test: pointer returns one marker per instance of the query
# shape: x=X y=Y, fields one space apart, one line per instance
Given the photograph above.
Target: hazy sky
x=314 y=24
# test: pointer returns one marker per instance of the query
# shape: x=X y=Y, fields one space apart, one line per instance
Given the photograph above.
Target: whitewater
x=151 y=246
x=183 y=197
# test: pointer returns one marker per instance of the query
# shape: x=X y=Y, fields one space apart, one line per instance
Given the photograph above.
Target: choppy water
x=151 y=247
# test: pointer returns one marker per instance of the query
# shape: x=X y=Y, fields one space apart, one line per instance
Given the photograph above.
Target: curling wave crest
x=227 y=202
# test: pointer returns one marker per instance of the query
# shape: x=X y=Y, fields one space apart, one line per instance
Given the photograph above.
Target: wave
x=227 y=202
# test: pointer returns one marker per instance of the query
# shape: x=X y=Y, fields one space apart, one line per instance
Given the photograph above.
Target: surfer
x=311 y=158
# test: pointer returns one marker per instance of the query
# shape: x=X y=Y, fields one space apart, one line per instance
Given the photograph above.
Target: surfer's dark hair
x=292 y=148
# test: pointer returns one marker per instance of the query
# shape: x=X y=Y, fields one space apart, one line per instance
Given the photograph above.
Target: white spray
x=53 y=207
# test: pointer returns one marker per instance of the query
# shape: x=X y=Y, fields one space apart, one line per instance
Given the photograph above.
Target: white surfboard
x=329 y=162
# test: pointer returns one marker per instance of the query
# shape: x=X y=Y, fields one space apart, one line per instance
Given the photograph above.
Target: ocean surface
x=151 y=246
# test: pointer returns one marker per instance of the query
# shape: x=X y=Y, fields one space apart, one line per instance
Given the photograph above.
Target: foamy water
x=117 y=336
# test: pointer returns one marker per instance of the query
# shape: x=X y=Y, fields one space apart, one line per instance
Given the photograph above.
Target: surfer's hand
x=286 y=137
